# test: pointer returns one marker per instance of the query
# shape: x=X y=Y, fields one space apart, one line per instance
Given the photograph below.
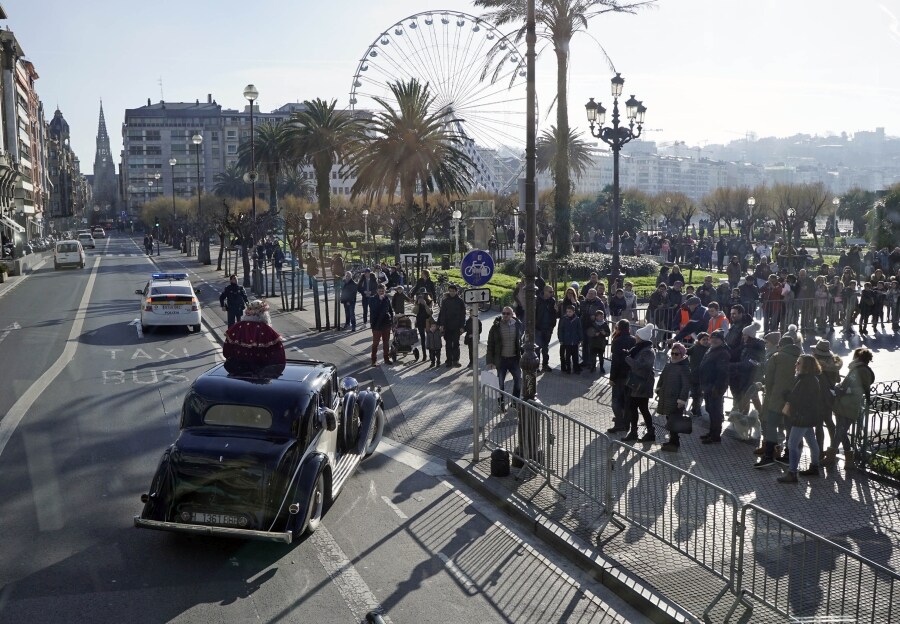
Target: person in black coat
x=622 y=342
x=451 y=319
x=672 y=391
x=234 y=300
x=382 y=316
x=545 y=321
x=714 y=383
x=803 y=412
x=368 y=285
x=349 y=291
x=641 y=378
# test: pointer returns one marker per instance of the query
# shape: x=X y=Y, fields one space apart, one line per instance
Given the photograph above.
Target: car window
x=171 y=290
x=251 y=416
x=85 y=236
x=67 y=247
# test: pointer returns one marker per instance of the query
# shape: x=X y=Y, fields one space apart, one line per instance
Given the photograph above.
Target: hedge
x=580 y=266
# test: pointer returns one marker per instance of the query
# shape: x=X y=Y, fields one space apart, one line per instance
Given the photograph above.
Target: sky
x=708 y=71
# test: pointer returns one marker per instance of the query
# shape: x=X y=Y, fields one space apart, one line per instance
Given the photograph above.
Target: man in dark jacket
x=504 y=349
x=234 y=300
x=588 y=310
x=382 y=319
x=749 y=294
x=367 y=288
x=451 y=320
x=622 y=342
x=733 y=338
x=545 y=320
x=746 y=371
x=714 y=383
x=698 y=319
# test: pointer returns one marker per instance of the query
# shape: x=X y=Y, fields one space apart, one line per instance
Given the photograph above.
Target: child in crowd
x=433 y=338
x=617 y=305
x=398 y=300
x=570 y=337
x=599 y=339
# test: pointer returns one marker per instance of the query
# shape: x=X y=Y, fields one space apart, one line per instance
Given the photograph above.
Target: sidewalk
x=433 y=412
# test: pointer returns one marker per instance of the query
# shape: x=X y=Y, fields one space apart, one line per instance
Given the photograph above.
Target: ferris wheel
x=474 y=72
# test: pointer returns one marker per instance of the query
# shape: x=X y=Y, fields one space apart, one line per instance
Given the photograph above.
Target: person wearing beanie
x=641 y=378
x=745 y=373
x=771 y=339
x=793 y=332
x=714 y=383
x=778 y=379
x=672 y=392
x=698 y=319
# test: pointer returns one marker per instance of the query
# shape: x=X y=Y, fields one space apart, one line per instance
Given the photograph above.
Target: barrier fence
x=760 y=557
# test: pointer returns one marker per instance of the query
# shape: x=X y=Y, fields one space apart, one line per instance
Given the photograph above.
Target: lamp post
x=308 y=216
x=203 y=245
x=457 y=217
x=616 y=136
x=834 y=218
x=172 y=163
x=751 y=202
x=365 y=215
x=251 y=94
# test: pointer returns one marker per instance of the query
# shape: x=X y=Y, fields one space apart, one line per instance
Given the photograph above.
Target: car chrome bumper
x=201 y=529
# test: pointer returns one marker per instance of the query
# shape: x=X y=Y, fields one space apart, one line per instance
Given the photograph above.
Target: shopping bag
x=679 y=423
x=489 y=379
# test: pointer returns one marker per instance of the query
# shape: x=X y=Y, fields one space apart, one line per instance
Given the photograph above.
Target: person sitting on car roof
x=252 y=345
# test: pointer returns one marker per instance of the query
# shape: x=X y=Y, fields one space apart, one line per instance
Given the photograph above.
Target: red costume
x=251 y=346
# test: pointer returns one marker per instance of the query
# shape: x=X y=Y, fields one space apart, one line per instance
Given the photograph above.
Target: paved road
x=94 y=402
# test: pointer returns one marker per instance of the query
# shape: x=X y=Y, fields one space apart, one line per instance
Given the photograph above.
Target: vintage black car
x=262 y=455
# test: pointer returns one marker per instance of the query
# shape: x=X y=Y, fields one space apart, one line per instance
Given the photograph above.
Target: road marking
x=8 y=330
x=349 y=583
x=137 y=325
x=396 y=509
x=456 y=573
x=44 y=484
x=14 y=416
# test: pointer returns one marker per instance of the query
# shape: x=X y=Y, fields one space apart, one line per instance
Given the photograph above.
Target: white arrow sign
x=476 y=295
x=9 y=329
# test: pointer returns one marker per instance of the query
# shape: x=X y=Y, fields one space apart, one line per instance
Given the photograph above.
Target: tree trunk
x=562 y=239
x=245 y=260
x=222 y=237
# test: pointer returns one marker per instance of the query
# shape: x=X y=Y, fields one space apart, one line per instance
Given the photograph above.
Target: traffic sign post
x=477 y=269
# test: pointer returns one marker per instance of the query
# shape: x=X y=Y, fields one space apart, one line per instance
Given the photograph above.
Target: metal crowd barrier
x=783 y=566
x=806 y=577
x=694 y=516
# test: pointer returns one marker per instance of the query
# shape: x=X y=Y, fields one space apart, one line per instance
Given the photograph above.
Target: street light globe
x=172 y=162
x=457 y=214
x=157 y=175
x=197 y=139
x=365 y=213
x=251 y=93
x=308 y=216
x=751 y=201
x=791 y=213
x=836 y=201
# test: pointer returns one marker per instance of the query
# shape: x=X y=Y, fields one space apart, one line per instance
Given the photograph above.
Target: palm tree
x=293 y=182
x=272 y=151
x=230 y=183
x=322 y=136
x=408 y=147
x=579 y=152
x=559 y=21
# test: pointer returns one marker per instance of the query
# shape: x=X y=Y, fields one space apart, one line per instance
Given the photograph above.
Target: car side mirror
x=139 y=292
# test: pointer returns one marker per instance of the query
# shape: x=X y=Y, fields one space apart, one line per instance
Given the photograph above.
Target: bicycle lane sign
x=477 y=267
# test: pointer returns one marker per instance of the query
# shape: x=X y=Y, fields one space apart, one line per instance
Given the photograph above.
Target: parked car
x=68 y=253
x=262 y=456
x=87 y=240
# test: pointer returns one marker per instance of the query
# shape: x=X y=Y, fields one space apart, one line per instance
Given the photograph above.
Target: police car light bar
x=169 y=276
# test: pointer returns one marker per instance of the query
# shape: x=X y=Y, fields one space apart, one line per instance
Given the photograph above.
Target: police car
x=169 y=299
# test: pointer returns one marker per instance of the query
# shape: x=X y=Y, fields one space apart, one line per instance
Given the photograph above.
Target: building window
x=232 y=149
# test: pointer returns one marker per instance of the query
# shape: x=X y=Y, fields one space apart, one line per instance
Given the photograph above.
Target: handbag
x=679 y=423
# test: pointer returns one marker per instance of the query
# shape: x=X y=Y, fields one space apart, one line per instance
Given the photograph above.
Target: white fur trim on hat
x=751 y=329
x=646 y=332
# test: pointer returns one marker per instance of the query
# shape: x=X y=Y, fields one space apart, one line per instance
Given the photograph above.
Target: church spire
x=101 y=126
x=105 y=184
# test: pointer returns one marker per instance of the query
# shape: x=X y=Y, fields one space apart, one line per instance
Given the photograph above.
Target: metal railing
x=806 y=577
x=781 y=565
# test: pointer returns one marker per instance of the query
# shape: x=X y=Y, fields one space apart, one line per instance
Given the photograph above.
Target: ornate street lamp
x=456 y=218
x=616 y=136
x=834 y=219
x=308 y=216
x=365 y=214
x=203 y=245
x=251 y=94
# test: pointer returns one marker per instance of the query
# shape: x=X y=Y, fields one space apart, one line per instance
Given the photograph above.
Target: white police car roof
x=169 y=276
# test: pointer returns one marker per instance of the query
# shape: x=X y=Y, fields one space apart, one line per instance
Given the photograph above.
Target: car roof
x=66 y=240
x=296 y=371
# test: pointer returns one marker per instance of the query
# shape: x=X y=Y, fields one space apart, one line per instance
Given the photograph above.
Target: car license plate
x=222 y=519
x=167 y=309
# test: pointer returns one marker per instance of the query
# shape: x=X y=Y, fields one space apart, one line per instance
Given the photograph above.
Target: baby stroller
x=404 y=337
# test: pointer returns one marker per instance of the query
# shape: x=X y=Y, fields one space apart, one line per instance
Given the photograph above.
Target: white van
x=68 y=253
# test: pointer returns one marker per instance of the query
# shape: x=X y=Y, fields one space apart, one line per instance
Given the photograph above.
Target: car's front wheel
x=376 y=434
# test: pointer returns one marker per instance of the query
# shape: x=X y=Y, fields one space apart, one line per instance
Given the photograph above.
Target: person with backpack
x=849 y=403
x=803 y=410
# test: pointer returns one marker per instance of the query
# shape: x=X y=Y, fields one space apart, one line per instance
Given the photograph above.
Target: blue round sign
x=477 y=267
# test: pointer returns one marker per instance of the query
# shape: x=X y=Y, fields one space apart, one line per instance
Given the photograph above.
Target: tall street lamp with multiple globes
x=252 y=94
x=751 y=202
x=203 y=245
x=834 y=219
x=616 y=136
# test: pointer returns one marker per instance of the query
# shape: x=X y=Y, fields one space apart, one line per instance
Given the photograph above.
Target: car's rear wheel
x=144 y=328
x=316 y=507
